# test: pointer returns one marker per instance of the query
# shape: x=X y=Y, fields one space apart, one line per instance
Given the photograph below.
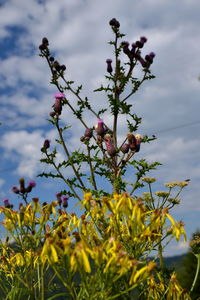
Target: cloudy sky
x=78 y=33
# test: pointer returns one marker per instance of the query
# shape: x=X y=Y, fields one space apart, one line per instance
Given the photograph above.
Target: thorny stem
x=68 y=155
x=139 y=84
x=91 y=168
x=63 y=178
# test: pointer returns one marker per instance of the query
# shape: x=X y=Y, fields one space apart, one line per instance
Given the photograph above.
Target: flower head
x=59 y=95
x=15 y=189
x=32 y=183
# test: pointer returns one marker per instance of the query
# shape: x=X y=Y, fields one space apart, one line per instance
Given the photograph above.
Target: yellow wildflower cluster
x=107 y=244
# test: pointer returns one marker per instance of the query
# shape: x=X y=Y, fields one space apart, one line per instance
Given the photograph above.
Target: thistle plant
x=105 y=253
x=104 y=154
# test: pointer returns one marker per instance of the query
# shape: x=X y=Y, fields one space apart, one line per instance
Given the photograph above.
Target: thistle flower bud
x=65 y=201
x=131 y=141
x=109 y=65
x=133 y=48
x=45 y=41
x=42 y=47
x=31 y=185
x=82 y=139
x=125 y=148
x=138 y=141
x=46 y=145
x=100 y=129
x=63 y=67
x=51 y=58
x=6 y=203
x=139 y=44
x=57 y=106
x=110 y=148
x=149 y=57
x=52 y=114
x=15 y=190
x=21 y=184
x=126 y=49
x=88 y=132
x=143 y=39
x=113 y=22
x=59 y=199
x=143 y=62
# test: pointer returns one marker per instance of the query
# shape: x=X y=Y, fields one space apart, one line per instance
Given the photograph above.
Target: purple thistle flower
x=88 y=132
x=143 y=39
x=152 y=54
x=59 y=95
x=32 y=183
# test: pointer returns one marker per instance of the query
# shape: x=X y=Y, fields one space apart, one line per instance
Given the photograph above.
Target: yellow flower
x=148 y=179
x=49 y=251
x=143 y=273
x=162 y=194
x=79 y=257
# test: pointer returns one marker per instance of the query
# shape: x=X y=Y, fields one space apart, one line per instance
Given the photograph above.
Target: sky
x=78 y=33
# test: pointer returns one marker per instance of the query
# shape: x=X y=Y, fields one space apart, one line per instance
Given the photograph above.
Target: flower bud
x=42 y=47
x=100 y=129
x=59 y=199
x=126 y=49
x=46 y=145
x=51 y=58
x=31 y=184
x=143 y=62
x=52 y=114
x=82 y=139
x=21 y=184
x=139 y=44
x=110 y=148
x=63 y=68
x=45 y=41
x=109 y=65
x=138 y=141
x=132 y=141
x=113 y=22
x=65 y=201
x=143 y=39
x=15 y=190
x=6 y=203
x=58 y=106
x=125 y=148
x=88 y=132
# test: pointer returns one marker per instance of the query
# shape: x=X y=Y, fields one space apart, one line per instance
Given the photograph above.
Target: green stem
x=68 y=155
x=91 y=168
x=197 y=272
x=65 y=180
x=160 y=252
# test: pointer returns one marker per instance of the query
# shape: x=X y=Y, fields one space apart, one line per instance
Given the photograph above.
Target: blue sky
x=78 y=33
